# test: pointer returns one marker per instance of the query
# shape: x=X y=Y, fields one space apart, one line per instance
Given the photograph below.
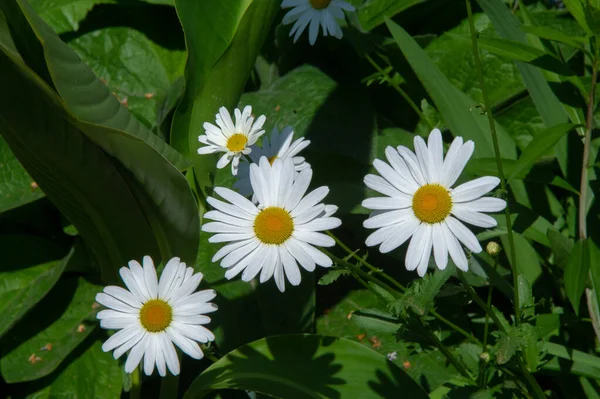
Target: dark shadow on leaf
x=390 y=387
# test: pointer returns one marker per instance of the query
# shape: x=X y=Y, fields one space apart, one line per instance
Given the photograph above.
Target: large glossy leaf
x=88 y=372
x=223 y=39
x=50 y=331
x=84 y=94
x=306 y=366
x=29 y=270
x=576 y=272
x=150 y=68
x=76 y=175
x=455 y=106
x=64 y=15
x=16 y=186
x=528 y=261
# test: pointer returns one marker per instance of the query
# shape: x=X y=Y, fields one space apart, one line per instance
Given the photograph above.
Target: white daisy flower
x=233 y=140
x=279 y=147
x=273 y=237
x=153 y=315
x=315 y=12
x=420 y=203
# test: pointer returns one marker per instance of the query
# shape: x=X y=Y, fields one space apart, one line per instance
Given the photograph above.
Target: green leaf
x=576 y=272
x=525 y=297
x=376 y=320
x=75 y=174
x=572 y=354
x=577 y=9
x=528 y=262
x=595 y=275
x=537 y=148
x=88 y=372
x=374 y=12
x=332 y=276
x=549 y=33
x=306 y=366
x=561 y=246
x=507 y=344
x=16 y=186
x=455 y=106
x=62 y=322
x=420 y=296
x=223 y=39
x=519 y=51
x=64 y=15
x=85 y=95
x=151 y=69
x=28 y=272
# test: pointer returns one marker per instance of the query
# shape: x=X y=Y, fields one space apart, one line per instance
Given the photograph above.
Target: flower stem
x=396 y=87
x=136 y=385
x=488 y=111
x=477 y=299
x=449 y=355
x=586 y=154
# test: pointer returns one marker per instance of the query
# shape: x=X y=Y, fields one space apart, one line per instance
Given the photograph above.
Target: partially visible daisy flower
x=273 y=237
x=279 y=147
x=315 y=12
x=233 y=140
x=152 y=315
x=421 y=204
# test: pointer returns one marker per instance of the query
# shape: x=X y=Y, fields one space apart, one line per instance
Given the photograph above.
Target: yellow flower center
x=319 y=4
x=272 y=159
x=273 y=225
x=432 y=203
x=156 y=315
x=237 y=142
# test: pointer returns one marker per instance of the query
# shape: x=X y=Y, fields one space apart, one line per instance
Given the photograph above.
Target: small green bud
x=493 y=248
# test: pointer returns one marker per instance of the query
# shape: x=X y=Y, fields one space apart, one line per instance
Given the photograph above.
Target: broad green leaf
x=64 y=15
x=29 y=270
x=561 y=246
x=525 y=297
x=87 y=372
x=538 y=147
x=50 y=331
x=455 y=106
x=338 y=120
x=75 y=174
x=576 y=272
x=548 y=33
x=373 y=12
x=420 y=296
x=519 y=51
x=85 y=95
x=578 y=10
x=376 y=320
x=151 y=69
x=16 y=186
x=306 y=366
x=223 y=39
x=528 y=262
x=595 y=276
x=572 y=354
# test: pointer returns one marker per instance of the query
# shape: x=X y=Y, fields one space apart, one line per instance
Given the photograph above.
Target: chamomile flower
x=421 y=203
x=153 y=315
x=232 y=139
x=280 y=146
x=279 y=233
x=315 y=12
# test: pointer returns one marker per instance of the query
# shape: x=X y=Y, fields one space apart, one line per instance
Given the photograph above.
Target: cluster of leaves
x=102 y=102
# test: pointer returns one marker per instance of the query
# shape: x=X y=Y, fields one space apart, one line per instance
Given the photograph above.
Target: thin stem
x=449 y=355
x=136 y=385
x=537 y=390
x=396 y=87
x=482 y=362
x=586 y=155
x=369 y=287
x=488 y=111
x=455 y=327
x=477 y=299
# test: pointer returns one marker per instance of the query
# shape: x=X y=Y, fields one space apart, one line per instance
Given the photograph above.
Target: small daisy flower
x=153 y=315
x=315 y=12
x=421 y=204
x=280 y=232
x=279 y=147
x=233 y=140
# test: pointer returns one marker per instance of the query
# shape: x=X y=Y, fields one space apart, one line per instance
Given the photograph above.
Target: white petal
x=436 y=150
x=123 y=295
x=440 y=248
x=463 y=234
x=486 y=204
x=150 y=354
x=292 y=272
x=417 y=246
x=150 y=277
x=474 y=189
x=314 y=238
x=399 y=235
x=456 y=252
x=237 y=199
x=464 y=213
x=454 y=165
x=113 y=303
x=387 y=218
x=387 y=203
x=135 y=356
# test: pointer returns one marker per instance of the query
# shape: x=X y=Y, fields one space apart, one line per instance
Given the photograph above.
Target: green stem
x=455 y=327
x=477 y=299
x=488 y=111
x=369 y=287
x=136 y=385
x=486 y=327
x=396 y=87
x=449 y=355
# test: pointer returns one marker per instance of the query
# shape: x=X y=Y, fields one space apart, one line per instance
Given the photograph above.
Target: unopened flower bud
x=493 y=248
x=484 y=357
